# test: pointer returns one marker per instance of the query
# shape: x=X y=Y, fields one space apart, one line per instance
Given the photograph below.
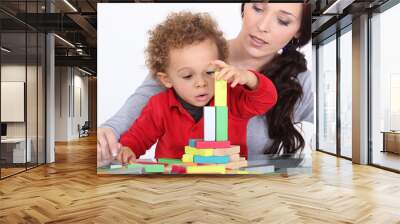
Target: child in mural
x=183 y=54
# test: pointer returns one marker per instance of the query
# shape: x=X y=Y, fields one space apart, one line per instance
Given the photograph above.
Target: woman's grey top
x=257 y=130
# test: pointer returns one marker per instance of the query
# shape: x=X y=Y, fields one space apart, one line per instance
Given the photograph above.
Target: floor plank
x=69 y=191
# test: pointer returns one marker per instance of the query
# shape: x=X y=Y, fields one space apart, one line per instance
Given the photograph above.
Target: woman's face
x=268 y=27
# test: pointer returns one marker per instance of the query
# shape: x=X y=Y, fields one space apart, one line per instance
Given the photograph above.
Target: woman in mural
x=268 y=42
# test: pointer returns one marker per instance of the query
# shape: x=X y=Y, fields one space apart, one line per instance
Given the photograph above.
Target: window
x=327 y=95
x=22 y=68
x=385 y=89
x=346 y=75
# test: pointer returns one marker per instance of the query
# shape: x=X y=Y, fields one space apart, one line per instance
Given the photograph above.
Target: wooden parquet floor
x=69 y=191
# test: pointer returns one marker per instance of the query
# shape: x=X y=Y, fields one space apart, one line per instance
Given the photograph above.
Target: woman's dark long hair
x=283 y=71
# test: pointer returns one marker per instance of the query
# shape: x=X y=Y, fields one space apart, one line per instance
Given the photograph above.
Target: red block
x=178 y=169
x=212 y=144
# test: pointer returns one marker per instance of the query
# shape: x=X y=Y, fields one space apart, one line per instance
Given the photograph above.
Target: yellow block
x=187 y=158
x=206 y=169
x=220 y=92
x=199 y=152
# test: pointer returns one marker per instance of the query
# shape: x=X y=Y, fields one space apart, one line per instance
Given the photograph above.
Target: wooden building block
x=242 y=158
x=221 y=124
x=190 y=150
x=234 y=157
x=199 y=152
x=187 y=158
x=236 y=165
x=192 y=142
x=177 y=169
x=115 y=166
x=169 y=161
x=211 y=159
x=212 y=144
x=136 y=170
x=135 y=165
x=209 y=123
x=123 y=170
x=158 y=168
x=206 y=169
x=220 y=93
x=233 y=149
x=237 y=172
x=148 y=168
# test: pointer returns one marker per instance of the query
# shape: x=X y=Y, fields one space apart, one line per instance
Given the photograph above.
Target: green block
x=131 y=166
x=169 y=161
x=148 y=168
x=221 y=126
x=157 y=168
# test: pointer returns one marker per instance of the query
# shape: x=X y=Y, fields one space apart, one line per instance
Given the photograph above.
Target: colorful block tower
x=214 y=153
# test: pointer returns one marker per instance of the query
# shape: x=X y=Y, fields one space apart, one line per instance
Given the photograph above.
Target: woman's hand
x=126 y=156
x=107 y=146
x=235 y=75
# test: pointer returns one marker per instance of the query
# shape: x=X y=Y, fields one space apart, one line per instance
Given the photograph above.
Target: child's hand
x=126 y=155
x=235 y=75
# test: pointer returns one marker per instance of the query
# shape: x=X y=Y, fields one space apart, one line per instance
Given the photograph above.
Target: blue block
x=211 y=159
x=192 y=142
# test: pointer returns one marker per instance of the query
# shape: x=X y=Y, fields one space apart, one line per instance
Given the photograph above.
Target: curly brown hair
x=177 y=31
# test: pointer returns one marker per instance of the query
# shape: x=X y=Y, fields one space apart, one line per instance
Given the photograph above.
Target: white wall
x=61 y=103
x=122 y=38
x=80 y=83
x=17 y=73
x=12 y=101
x=68 y=81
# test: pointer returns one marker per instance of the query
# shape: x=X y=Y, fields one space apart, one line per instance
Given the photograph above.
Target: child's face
x=190 y=73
